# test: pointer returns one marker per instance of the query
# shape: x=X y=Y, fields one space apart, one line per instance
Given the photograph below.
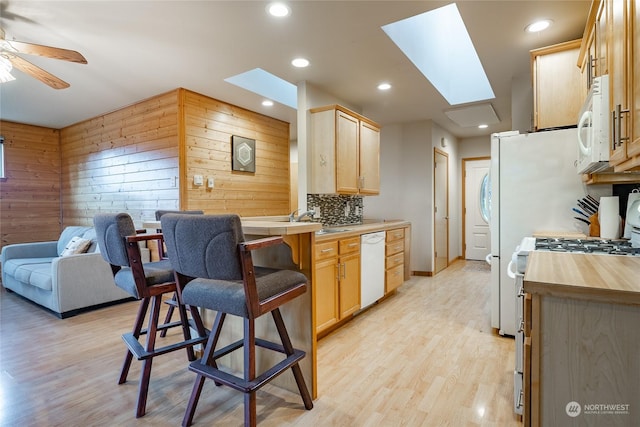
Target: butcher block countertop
x=603 y=278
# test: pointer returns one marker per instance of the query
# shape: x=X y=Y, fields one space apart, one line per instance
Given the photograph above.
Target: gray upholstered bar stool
x=119 y=246
x=214 y=270
x=162 y=253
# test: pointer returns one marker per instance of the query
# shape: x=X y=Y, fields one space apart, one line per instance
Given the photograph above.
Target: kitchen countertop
x=603 y=278
x=368 y=226
x=280 y=225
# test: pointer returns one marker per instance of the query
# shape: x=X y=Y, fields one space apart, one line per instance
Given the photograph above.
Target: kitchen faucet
x=292 y=215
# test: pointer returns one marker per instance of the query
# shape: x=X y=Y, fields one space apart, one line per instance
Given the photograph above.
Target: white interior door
x=477 y=235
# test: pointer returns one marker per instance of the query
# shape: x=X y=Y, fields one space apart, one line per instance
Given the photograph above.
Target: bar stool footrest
x=241 y=384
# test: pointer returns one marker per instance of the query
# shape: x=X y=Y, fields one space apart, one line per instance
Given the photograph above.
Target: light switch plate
x=210 y=182
x=198 y=180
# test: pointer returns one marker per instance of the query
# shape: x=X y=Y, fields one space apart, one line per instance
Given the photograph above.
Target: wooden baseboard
x=422 y=273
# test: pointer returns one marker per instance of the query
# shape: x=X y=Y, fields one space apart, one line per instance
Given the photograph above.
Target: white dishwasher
x=371 y=267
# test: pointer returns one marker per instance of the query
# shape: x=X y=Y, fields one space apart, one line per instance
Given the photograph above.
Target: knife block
x=594 y=226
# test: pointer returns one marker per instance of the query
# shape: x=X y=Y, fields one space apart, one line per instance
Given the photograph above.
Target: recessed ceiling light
x=300 y=62
x=279 y=10
x=538 y=26
x=267 y=103
x=483 y=126
x=384 y=86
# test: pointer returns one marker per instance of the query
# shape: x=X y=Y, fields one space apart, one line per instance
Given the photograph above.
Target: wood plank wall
x=209 y=125
x=139 y=159
x=123 y=161
x=30 y=194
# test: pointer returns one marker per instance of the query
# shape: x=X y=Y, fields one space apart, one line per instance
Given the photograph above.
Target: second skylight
x=438 y=44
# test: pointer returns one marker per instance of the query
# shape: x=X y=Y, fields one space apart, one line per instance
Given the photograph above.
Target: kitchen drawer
x=394 y=260
x=348 y=246
x=396 y=234
x=394 y=277
x=395 y=247
x=326 y=250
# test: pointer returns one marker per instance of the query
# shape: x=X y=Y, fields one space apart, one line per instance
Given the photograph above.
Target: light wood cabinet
x=558 y=91
x=617 y=11
x=582 y=341
x=336 y=275
x=394 y=263
x=592 y=59
x=623 y=19
x=325 y=273
x=612 y=34
x=344 y=153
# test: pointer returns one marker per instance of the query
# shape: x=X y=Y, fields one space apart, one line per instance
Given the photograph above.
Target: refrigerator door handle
x=510 y=272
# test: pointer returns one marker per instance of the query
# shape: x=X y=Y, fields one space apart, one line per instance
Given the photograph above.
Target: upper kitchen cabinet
x=624 y=83
x=558 y=91
x=592 y=59
x=344 y=153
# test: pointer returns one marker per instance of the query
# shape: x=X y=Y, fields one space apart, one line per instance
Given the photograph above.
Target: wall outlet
x=210 y=182
x=318 y=213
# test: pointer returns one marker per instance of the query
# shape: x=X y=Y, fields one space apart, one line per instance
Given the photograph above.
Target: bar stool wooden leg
x=137 y=328
x=145 y=375
x=288 y=347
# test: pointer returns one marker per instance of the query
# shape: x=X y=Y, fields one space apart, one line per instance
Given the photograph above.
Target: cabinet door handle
x=338 y=271
x=324 y=251
x=613 y=130
x=344 y=270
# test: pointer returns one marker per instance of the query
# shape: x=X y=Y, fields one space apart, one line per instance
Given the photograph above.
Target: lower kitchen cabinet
x=582 y=342
x=394 y=263
x=337 y=281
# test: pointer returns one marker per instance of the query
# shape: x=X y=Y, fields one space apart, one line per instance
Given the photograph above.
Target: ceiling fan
x=10 y=48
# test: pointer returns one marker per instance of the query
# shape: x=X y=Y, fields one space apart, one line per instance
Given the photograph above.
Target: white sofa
x=66 y=285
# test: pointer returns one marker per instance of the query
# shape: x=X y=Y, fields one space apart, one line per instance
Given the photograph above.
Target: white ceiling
x=138 y=49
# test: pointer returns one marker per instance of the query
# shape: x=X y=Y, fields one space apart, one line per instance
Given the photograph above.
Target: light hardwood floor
x=425 y=357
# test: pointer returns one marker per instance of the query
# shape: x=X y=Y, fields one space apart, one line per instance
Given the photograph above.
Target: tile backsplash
x=336 y=209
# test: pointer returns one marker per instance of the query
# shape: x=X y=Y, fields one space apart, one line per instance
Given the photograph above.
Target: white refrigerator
x=534 y=185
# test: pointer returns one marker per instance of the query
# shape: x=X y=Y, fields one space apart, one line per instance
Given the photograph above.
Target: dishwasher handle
x=372 y=238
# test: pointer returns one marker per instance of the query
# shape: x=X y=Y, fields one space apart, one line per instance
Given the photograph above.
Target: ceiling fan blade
x=42 y=50
x=36 y=72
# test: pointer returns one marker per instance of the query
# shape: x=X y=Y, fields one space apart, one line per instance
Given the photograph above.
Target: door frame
x=437 y=151
x=463 y=237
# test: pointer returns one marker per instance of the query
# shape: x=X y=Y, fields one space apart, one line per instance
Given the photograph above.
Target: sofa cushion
x=91 y=235
x=68 y=233
x=77 y=245
x=34 y=271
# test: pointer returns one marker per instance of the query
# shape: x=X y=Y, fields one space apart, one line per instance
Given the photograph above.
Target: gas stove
x=589 y=246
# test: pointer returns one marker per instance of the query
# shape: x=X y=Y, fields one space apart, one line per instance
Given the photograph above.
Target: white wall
x=479 y=146
x=406 y=186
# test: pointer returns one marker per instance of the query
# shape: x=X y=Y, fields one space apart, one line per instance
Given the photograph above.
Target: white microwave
x=593 y=129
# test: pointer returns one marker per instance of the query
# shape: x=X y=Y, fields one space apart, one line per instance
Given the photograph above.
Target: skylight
x=266 y=84
x=438 y=44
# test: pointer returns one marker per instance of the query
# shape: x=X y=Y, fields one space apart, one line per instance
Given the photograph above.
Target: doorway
x=440 y=210
x=475 y=211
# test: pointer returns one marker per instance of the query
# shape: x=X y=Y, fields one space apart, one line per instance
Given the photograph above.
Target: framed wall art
x=243 y=154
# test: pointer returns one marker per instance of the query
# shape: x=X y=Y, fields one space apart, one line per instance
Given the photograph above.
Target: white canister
x=609 y=217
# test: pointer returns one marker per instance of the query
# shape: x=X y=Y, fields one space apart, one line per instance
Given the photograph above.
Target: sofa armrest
x=29 y=250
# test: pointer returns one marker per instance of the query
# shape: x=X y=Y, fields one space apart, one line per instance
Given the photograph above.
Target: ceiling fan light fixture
x=5 y=70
